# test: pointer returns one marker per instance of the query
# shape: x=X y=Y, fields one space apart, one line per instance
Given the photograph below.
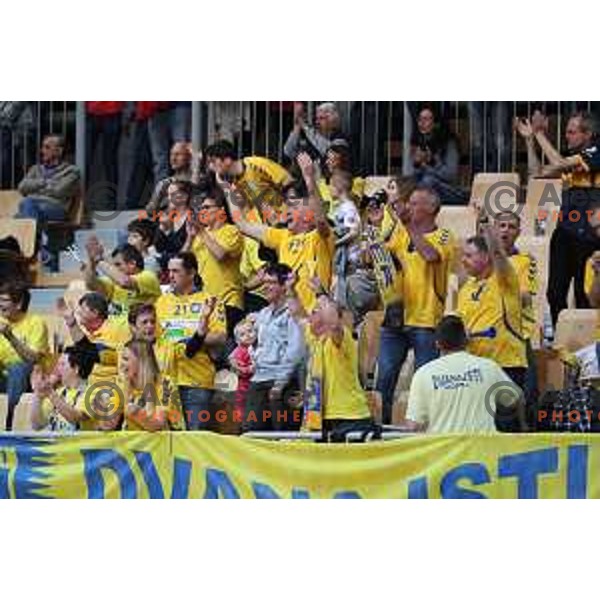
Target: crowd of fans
x=268 y=272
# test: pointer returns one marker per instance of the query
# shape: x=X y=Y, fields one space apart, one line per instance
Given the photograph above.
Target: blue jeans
x=16 y=380
x=40 y=210
x=196 y=404
x=394 y=345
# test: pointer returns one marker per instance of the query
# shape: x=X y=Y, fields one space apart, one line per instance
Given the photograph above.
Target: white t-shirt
x=449 y=394
x=346 y=215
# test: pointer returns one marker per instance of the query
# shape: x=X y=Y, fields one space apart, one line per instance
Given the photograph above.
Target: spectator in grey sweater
x=279 y=356
x=50 y=187
x=315 y=140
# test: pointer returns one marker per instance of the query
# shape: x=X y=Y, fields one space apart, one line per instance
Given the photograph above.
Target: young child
x=242 y=361
x=347 y=227
x=334 y=388
x=140 y=234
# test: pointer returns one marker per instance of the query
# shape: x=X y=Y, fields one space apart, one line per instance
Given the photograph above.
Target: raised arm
x=238 y=211
x=315 y=202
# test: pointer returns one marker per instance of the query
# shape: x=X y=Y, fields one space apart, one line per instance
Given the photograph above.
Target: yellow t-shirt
x=109 y=339
x=588 y=283
x=337 y=368
x=53 y=419
x=222 y=278
x=155 y=394
x=121 y=299
x=32 y=331
x=449 y=394
x=251 y=264
x=177 y=316
x=491 y=311
x=424 y=284
x=100 y=418
x=307 y=254
x=527 y=271
x=262 y=181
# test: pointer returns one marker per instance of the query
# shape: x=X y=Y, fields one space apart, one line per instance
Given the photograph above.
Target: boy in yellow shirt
x=23 y=343
x=125 y=281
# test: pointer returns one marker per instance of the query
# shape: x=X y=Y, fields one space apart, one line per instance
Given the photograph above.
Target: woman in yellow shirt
x=147 y=406
x=59 y=399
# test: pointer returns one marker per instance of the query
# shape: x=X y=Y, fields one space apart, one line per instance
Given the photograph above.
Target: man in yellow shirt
x=307 y=245
x=89 y=324
x=218 y=246
x=125 y=281
x=459 y=392
x=258 y=181
x=425 y=254
x=23 y=343
x=507 y=228
x=193 y=326
x=333 y=380
x=489 y=303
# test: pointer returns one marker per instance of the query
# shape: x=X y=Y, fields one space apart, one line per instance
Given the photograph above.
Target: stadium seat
x=496 y=191
x=461 y=220
x=548 y=191
x=374 y=183
x=21 y=422
x=576 y=328
x=23 y=230
x=9 y=203
x=539 y=248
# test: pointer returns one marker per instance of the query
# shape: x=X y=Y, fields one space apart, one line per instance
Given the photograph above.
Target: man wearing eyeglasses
x=218 y=246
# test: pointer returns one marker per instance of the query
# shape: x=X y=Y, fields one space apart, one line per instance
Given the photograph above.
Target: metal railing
x=380 y=131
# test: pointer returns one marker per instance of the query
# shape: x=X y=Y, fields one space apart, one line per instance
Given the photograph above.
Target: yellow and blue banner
x=207 y=465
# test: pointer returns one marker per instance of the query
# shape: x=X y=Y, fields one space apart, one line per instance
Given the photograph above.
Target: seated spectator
x=334 y=383
x=218 y=247
x=185 y=167
x=59 y=399
x=257 y=181
x=124 y=282
x=49 y=190
x=89 y=324
x=140 y=235
x=434 y=159
x=23 y=344
x=49 y=187
x=316 y=141
x=459 y=392
x=306 y=246
x=278 y=359
x=172 y=234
